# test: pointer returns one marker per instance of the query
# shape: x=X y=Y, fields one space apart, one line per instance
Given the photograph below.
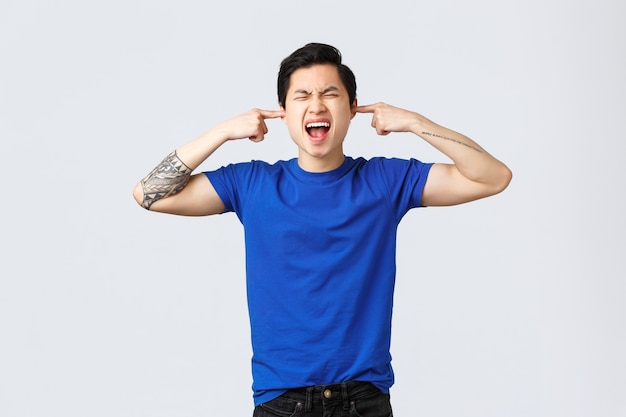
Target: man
x=320 y=232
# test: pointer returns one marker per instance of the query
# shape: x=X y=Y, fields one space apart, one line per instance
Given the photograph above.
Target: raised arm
x=473 y=174
x=171 y=188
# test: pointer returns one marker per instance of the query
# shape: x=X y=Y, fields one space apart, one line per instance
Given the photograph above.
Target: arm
x=473 y=174
x=171 y=188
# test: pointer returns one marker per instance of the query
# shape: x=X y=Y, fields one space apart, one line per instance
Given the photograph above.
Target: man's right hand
x=249 y=125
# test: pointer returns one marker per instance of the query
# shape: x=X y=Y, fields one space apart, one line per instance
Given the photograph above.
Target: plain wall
x=508 y=306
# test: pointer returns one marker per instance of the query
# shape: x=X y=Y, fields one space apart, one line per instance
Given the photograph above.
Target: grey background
x=509 y=306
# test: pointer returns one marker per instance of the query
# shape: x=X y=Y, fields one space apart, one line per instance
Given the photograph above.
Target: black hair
x=314 y=54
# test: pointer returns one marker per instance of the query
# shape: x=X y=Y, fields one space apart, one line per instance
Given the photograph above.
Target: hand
x=387 y=119
x=249 y=125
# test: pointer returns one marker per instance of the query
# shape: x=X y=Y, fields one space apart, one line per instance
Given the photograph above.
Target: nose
x=316 y=105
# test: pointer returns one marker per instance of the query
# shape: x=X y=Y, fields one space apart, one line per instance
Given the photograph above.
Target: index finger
x=271 y=114
x=369 y=108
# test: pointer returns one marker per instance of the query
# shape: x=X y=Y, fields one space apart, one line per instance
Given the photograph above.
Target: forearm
x=172 y=175
x=472 y=161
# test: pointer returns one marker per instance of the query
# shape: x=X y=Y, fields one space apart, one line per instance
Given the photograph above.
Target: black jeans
x=348 y=399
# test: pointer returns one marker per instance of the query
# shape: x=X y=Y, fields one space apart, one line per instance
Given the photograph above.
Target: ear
x=283 y=109
x=353 y=107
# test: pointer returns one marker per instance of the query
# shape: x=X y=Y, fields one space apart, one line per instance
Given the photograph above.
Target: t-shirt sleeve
x=228 y=182
x=405 y=181
x=219 y=181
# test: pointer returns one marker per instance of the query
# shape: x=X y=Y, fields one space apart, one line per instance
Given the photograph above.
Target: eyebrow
x=324 y=91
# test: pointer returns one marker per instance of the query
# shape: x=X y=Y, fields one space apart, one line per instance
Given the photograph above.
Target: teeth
x=317 y=124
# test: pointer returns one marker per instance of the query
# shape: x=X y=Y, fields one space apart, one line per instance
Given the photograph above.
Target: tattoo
x=434 y=135
x=166 y=179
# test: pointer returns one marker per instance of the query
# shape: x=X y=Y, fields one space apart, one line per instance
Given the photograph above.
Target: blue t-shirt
x=320 y=266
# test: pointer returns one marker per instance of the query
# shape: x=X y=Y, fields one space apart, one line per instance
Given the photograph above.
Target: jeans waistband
x=342 y=392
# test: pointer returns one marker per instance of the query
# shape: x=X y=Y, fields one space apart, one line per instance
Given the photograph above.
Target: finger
x=369 y=108
x=382 y=132
x=271 y=114
x=257 y=138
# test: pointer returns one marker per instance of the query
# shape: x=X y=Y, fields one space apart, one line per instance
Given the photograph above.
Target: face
x=318 y=114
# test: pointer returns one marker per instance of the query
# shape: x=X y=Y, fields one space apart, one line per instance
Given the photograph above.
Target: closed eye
x=301 y=95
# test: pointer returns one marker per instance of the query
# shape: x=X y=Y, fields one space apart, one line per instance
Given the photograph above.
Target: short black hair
x=309 y=55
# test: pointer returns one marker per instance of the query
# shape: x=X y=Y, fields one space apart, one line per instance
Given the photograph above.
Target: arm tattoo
x=166 y=179
x=434 y=135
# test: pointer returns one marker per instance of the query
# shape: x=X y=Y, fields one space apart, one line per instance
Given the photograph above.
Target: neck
x=313 y=164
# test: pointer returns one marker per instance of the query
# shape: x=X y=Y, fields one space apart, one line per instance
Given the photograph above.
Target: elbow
x=138 y=194
x=502 y=179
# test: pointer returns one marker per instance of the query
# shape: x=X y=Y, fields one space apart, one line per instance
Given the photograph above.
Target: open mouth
x=317 y=130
